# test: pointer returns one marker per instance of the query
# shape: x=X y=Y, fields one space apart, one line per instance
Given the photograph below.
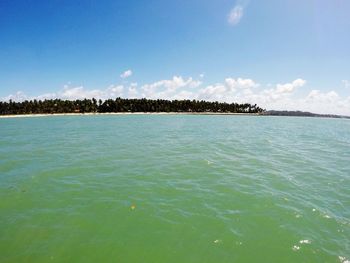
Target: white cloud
x=72 y=93
x=346 y=83
x=183 y=95
x=316 y=101
x=132 y=93
x=240 y=83
x=235 y=15
x=281 y=91
x=230 y=91
x=277 y=97
x=18 y=96
x=114 y=92
x=240 y=90
x=215 y=92
x=325 y=102
x=168 y=88
x=290 y=87
x=126 y=74
x=78 y=93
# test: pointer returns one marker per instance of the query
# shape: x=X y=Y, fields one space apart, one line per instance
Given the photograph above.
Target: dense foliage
x=122 y=105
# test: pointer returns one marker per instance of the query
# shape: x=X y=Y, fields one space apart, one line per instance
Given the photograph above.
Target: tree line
x=122 y=105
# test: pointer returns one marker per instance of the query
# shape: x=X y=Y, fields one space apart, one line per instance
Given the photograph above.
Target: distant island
x=301 y=114
x=119 y=105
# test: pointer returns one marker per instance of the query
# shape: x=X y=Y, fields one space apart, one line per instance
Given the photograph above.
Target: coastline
x=126 y=113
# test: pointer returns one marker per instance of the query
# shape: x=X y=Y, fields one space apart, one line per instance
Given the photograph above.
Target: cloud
x=229 y=91
x=325 y=102
x=18 y=96
x=78 y=93
x=346 y=83
x=235 y=15
x=132 y=91
x=72 y=93
x=277 y=97
x=168 y=88
x=240 y=83
x=240 y=90
x=126 y=74
x=290 y=87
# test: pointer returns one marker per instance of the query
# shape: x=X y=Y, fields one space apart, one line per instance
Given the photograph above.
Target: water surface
x=143 y=188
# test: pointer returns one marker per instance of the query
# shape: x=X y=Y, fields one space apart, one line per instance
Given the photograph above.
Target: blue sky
x=179 y=49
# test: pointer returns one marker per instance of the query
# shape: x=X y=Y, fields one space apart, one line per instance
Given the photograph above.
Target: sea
x=174 y=188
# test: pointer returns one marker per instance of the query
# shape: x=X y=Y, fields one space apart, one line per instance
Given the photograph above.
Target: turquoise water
x=143 y=188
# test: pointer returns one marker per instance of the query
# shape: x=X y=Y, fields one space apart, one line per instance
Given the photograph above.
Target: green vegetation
x=302 y=114
x=122 y=105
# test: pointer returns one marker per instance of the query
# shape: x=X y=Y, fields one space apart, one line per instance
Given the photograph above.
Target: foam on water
x=305 y=241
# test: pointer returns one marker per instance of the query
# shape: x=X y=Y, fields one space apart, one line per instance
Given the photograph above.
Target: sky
x=279 y=54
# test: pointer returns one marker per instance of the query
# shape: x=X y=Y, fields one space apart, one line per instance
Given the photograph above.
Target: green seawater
x=154 y=188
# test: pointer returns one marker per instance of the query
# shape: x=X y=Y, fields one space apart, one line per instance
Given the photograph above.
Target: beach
x=126 y=113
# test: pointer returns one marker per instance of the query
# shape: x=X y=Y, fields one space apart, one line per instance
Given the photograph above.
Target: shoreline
x=125 y=113
x=159 y=113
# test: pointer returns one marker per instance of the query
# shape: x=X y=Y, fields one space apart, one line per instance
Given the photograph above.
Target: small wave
x=305 y=241
x=343 y=260
x=295 y=248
